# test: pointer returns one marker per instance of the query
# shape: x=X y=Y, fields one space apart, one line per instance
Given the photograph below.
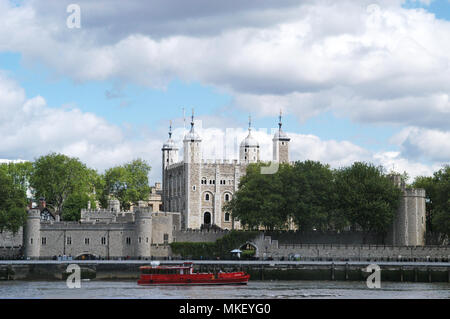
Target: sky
x=355 y=80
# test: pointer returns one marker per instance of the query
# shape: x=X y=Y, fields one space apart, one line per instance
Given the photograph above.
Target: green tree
x=13 y=203
x=437 y=189
x=311 y=196
x=19 y=172
x=74 y=203
x=128 y=183
x=367 y=197
x=259 y=200
x=56 y=177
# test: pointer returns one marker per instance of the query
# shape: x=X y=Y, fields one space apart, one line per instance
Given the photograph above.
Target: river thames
x=254 y=290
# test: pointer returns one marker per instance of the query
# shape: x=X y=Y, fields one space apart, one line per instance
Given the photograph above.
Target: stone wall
x=8 y=239
x=330 y=237
x=266 y=247
x=198 y=236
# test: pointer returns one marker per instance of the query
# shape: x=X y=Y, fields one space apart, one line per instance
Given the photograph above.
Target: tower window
x=128 y=241
x=103 y=240
x=227 y=217
x=227 y=197
x=69 y=240
x=44 y=240
x=207 y=197
x=194 y=188
x=86 y=241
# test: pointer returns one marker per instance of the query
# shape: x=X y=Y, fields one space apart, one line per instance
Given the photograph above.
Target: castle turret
x=409 y=225
x=114 y=205
x=143 y=232
x=192 y=167
x=280 y=145
x=192 y=145
x=249 y=148
x=169 y=157
x=32 y=234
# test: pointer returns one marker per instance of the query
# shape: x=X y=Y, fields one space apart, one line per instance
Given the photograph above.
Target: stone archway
x=86 y=256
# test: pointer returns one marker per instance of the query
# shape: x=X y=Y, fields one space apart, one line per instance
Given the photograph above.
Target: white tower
x=192 y=167
x=249 y=148
x=169 y=157
x=280 y=145
x=192 y=145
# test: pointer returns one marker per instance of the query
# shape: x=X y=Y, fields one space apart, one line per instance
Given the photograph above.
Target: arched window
x=206 y=196
x=204 y=181
x=227 y=217
x=227 y=197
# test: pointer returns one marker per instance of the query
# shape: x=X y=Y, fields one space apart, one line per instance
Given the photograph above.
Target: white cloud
x=371 y=63
x=418 y=143
x=375 y=63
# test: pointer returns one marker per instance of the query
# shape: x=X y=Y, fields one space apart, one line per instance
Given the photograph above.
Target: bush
x=221 y=248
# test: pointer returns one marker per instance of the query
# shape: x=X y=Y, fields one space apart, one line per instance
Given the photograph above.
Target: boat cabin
x=186 y=269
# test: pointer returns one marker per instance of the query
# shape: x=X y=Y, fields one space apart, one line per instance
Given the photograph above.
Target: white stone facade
x=198 y=188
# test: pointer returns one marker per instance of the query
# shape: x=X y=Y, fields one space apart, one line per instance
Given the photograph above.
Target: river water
x=254 y=290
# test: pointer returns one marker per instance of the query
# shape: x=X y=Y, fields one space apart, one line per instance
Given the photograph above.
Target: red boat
x=184 y=275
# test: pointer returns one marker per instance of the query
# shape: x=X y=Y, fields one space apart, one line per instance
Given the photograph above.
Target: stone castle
x=198 y=189
x=192 y=196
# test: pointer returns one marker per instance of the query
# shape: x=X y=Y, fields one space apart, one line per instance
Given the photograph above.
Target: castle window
x=103 y=240
x=207 y=197
x=227 y=217
x=166 y=238
x=282 y=143
x=203 y=181
x=140 y=240
x=44 y=240
x=146 y=239
x=227 y=197
x=86 y=241
x=194 y=188
x=31 y=241
x=128 y=240
x=69 y=240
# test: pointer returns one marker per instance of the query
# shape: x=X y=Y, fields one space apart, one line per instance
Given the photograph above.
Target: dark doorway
x=207 y=218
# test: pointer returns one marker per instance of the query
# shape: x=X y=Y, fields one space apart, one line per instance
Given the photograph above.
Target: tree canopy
x=316 y=197
x=128 y=183
x=367 y=197
x=57 y=177
x=13 y=201
x=437 y=189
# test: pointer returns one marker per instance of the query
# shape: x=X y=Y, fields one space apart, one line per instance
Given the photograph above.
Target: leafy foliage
x=57 y=177
x=367 y=197
x=315 y=197
x=12 y=203
x=437 y=189
x=221 y=248
x=128 y=183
